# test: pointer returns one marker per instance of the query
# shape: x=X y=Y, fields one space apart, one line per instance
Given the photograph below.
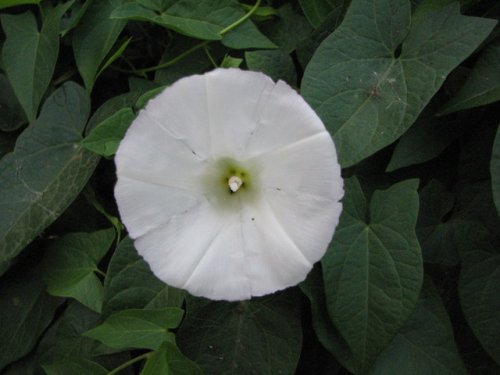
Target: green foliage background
x=409 y=90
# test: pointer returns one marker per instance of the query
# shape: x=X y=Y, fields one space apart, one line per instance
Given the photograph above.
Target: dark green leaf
x=170 y=360
x=46 y=171
x=11 y=3
x=373 y=268
x=328 y=335
x=75 y=366
x=69 y=341
x=194 y=63
x=260 y=336
x=25 y=313
x=425 y=139
x=94 y=37
x=436 y=234
x=71 y=263
x=289 y=30
x=425 y=344
x=482 y=86
x=30 y=55
x=275 y=64
x=130 y=283
x=105 y=137
x=495 y=170
x=145 y=329
x=317 y=11
x=478 y=288
x=11 y=116
x=366 y=93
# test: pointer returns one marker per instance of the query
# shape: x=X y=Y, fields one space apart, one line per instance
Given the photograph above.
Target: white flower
x=229 y=184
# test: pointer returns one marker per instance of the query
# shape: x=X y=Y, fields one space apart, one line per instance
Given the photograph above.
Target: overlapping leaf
x=373 y=268
x=46 y=171
x=71 y=266
x=425 y=344
x=371 y=78
x=136 y=328
x=25 y=313
x=482 y=86
x=130 y=283
x=94 y=37
x=30 y=56
x=261 y=335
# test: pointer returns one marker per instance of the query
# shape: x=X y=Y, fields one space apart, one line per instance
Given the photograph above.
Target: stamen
x=234 y=183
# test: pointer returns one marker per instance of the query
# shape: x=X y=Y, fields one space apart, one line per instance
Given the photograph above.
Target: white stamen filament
x=234 y=183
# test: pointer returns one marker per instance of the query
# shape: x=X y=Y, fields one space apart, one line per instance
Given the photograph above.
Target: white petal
x=151 y=154
x=145 y=206
x=234 y=99
x=199 y=251
x=273 y=260
x=284 y=118
x=302 y=185
x=182 y=110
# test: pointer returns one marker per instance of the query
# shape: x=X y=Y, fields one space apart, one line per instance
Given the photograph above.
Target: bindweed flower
x=229 y=184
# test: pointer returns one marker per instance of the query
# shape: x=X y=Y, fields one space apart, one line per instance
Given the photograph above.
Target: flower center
x=234 y=183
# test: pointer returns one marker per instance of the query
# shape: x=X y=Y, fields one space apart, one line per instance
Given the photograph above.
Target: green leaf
x=145 y=329
x=425 y=140
x=25 y=313
x=483 y=84
x=276 y=64
x=231 y=62
x=260 y=336
x=105 y=137
x=11 y=3
x=46 y=171
x=75 y=365
x=425 y=344
x=289 y=30
x=495 y=170
x=373 y=268
x=438 y=236
x=365 y=92
x=169 y=359
x=194 y=63
x=71 y=263
x=328 y=335
x=114 y=55
x=478 y=288
x=94 y=37
x=198 y=20
x=205 y=20
x=317 y=11
x=130 y=283
x=30 y=55
x=69 y=342
x=12 y=116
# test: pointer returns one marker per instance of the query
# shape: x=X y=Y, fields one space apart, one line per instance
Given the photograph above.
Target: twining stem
x=242 y=19
x=129 y=363
x=202 y=44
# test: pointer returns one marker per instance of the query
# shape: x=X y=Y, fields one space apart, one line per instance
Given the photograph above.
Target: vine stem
x=129 y=363
x=175 y=60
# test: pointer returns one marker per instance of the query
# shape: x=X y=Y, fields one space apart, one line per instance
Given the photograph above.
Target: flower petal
x=151 y=154
x=198 y=250
x=181 y=109
x=284 y=118
x=234 y=100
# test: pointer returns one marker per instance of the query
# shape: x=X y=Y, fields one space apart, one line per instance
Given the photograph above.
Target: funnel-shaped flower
x=229 y=184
